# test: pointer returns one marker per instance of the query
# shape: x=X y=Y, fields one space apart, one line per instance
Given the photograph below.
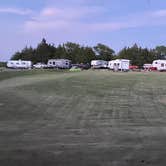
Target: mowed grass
x=97 y=118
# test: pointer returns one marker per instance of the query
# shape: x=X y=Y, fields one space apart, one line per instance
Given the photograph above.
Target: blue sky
x=116 y=23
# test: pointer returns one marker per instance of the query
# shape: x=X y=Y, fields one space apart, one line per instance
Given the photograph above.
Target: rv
x=160 y=65
x=99 y=64
x=19 y=64
x=59 y=63
x=119 y=64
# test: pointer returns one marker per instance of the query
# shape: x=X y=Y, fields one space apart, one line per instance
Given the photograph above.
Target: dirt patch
x=163 y=100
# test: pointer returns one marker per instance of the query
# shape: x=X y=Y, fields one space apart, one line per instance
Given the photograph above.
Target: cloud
x=16 y=11
x=160 y=13
x=136 y=20
x=58 y=18
x=35 y=26
x=75 y=19
x=70 y=13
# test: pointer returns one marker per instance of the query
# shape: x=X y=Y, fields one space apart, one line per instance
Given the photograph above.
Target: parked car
x=147 y=66
x=153 y=68
x=82 y=66
x=75 y=68
x=85 y=66
x=133 y=67
x=39 y=66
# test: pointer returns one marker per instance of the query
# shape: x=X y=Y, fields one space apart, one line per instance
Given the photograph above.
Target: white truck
x=119 y=64
x=19 y=64
x=99 y=64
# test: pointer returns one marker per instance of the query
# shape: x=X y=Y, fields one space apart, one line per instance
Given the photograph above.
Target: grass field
x=89 y=118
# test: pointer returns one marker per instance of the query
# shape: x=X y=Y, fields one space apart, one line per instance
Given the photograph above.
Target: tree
x=88 y=54
x=84 y=54
x=17 y=56
x=73 y=51
x=160 y=52
x=43 y=52
x=138 y=56
x=104 y=52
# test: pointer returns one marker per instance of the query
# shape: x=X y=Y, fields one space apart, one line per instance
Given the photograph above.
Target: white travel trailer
x=19 y=64
x=160 y=65
x=119 y=64
x=99 y=64
x=59 y=63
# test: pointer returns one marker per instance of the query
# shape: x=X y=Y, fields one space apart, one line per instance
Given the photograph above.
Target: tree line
x=84 y=54
x=2 y=64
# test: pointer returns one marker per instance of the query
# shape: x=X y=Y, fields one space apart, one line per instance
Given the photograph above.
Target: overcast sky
x=116 y=23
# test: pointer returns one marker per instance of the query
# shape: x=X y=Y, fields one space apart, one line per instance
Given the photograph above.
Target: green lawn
x=89 y=118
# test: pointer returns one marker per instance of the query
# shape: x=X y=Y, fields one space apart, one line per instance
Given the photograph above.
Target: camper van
x=59 y=63
x=119 y=64
x=99 y=64
x=19 y=64
x=159 y=64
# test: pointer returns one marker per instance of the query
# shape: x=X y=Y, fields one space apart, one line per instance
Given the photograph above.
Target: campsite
x=83 y=83
x=87 y=118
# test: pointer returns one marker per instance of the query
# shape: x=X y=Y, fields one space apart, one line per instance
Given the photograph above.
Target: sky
x=116 y=23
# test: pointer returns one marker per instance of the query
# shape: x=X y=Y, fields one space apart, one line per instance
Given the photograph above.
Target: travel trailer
x=119 y=64
x=99 y=64
x=59 y=63
x=160 y=65
x=19 y=64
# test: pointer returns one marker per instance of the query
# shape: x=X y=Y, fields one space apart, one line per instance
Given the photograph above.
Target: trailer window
x=162 y=65
x=155 y=62
x=50 y=62
x=53 y=63
x=66 y=63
